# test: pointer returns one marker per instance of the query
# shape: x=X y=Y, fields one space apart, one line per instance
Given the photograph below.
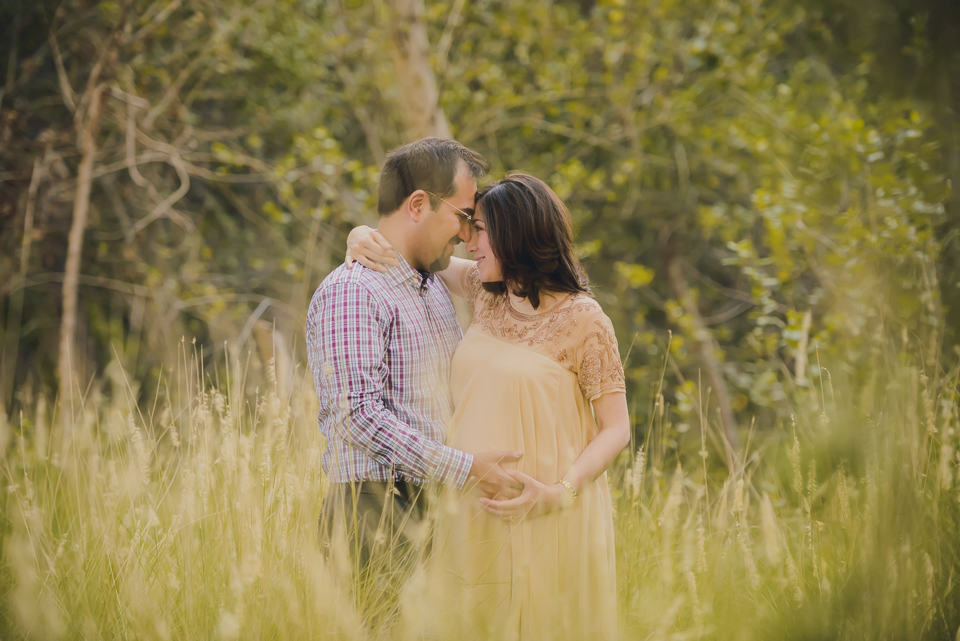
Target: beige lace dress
x=525 y=382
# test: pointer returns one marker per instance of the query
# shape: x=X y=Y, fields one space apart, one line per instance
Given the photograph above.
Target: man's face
x=444 y=228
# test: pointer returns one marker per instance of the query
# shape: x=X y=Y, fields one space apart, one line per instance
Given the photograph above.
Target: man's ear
x=416 y=204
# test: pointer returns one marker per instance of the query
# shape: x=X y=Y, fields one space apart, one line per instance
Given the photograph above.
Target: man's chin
x=439 y=265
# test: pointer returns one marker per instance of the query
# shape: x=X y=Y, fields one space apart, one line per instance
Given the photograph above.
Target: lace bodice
x=575 y=333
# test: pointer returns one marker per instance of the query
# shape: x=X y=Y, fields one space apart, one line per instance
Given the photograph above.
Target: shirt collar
x=404 y=273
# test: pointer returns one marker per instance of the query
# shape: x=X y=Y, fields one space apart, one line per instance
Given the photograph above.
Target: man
x=379 y=346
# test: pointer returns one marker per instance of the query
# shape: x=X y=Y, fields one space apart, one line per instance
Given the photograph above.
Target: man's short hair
x=430 y=164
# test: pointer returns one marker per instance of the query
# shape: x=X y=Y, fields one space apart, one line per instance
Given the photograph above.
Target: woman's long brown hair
x=531 y=235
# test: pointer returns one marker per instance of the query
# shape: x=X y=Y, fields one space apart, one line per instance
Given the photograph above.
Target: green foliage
x=705 y=133
x=732 y=145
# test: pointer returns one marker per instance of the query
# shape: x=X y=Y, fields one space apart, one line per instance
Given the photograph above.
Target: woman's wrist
x=565 y=495
x=552 y=497
x=572 y=481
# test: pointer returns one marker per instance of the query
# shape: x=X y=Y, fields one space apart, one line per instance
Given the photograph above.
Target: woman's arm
x=368 y=247
x=613 y=420
x=453 y=275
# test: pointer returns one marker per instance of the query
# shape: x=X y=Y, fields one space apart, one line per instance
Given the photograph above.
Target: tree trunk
x=71 y=276
x=419 y=95
x=15 y=316
x=705 y=349
x=87 y=120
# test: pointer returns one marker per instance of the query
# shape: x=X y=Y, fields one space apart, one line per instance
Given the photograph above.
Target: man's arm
x=346 y=344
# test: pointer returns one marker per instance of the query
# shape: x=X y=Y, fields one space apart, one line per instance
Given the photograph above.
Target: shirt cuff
x=448 y=465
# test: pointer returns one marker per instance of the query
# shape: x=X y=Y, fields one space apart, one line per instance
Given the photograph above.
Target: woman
x=538 y=370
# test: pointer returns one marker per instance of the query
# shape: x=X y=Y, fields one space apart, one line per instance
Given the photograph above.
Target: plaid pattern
x=379 y=346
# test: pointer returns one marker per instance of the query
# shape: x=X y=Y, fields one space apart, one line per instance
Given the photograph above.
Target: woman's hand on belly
x=536 y=498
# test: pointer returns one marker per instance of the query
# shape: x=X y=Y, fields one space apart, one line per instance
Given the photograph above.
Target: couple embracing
x=515 y=421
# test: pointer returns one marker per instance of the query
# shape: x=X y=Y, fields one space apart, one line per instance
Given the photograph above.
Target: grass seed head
x=636 y=478
x=843 y=496
x=140 y=449
x=771 y=532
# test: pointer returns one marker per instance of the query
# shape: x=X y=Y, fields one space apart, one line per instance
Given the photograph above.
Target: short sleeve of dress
x=470 y=283
x=598 y=365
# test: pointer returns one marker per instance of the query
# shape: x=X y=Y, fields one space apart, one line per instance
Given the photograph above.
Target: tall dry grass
x=195 y=517
x=841 y=522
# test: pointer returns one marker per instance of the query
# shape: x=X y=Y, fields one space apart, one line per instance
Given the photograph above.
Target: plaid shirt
x=379 y=346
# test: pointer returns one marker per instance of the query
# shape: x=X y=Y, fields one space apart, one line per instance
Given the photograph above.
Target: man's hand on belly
x=492 y=480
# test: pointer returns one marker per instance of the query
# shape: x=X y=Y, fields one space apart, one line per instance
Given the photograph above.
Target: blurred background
x=758 y=186
x=762 y=194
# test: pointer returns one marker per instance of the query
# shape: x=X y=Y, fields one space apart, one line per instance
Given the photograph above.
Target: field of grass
x=195 y=517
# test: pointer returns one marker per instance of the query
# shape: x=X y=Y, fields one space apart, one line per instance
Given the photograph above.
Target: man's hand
x=493 y=480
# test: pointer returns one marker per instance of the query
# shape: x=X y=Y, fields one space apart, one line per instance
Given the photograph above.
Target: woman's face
x=479 y=246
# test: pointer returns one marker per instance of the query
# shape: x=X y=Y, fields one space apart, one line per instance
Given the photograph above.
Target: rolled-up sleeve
x=347 y=356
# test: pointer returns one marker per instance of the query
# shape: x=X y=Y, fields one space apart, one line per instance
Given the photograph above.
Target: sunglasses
x=467 y=217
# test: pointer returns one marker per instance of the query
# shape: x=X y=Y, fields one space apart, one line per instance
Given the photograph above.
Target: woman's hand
x=369 y=248
x=535 y=499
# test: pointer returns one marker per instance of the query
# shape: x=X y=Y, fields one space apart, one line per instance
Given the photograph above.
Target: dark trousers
x=382 y=530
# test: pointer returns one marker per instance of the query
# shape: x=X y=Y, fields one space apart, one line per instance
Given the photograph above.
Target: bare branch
x=14 y=52
x=216 y=40
x=484 y=116
x=15 y=307
x=206 y=174
x=251 y=321
x=28 y=216
x=763 y=111
x=109 y=52
x=65 y=90
x=370 y=130
x=175 y=88
x=239 y=298
x=131 y=148
x=259 y=221
x=81 y=208
x=731 y=312
x=88 y=124
x=164 y=208
x=157 y=20
x=705 y=346
x=142 y=159
x=83 y=279
x=129 y=98
x=561 y=130
x=443 y=47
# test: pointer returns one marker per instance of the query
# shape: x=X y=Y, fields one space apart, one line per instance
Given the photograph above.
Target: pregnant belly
x=481 y=428
x=509 y=398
